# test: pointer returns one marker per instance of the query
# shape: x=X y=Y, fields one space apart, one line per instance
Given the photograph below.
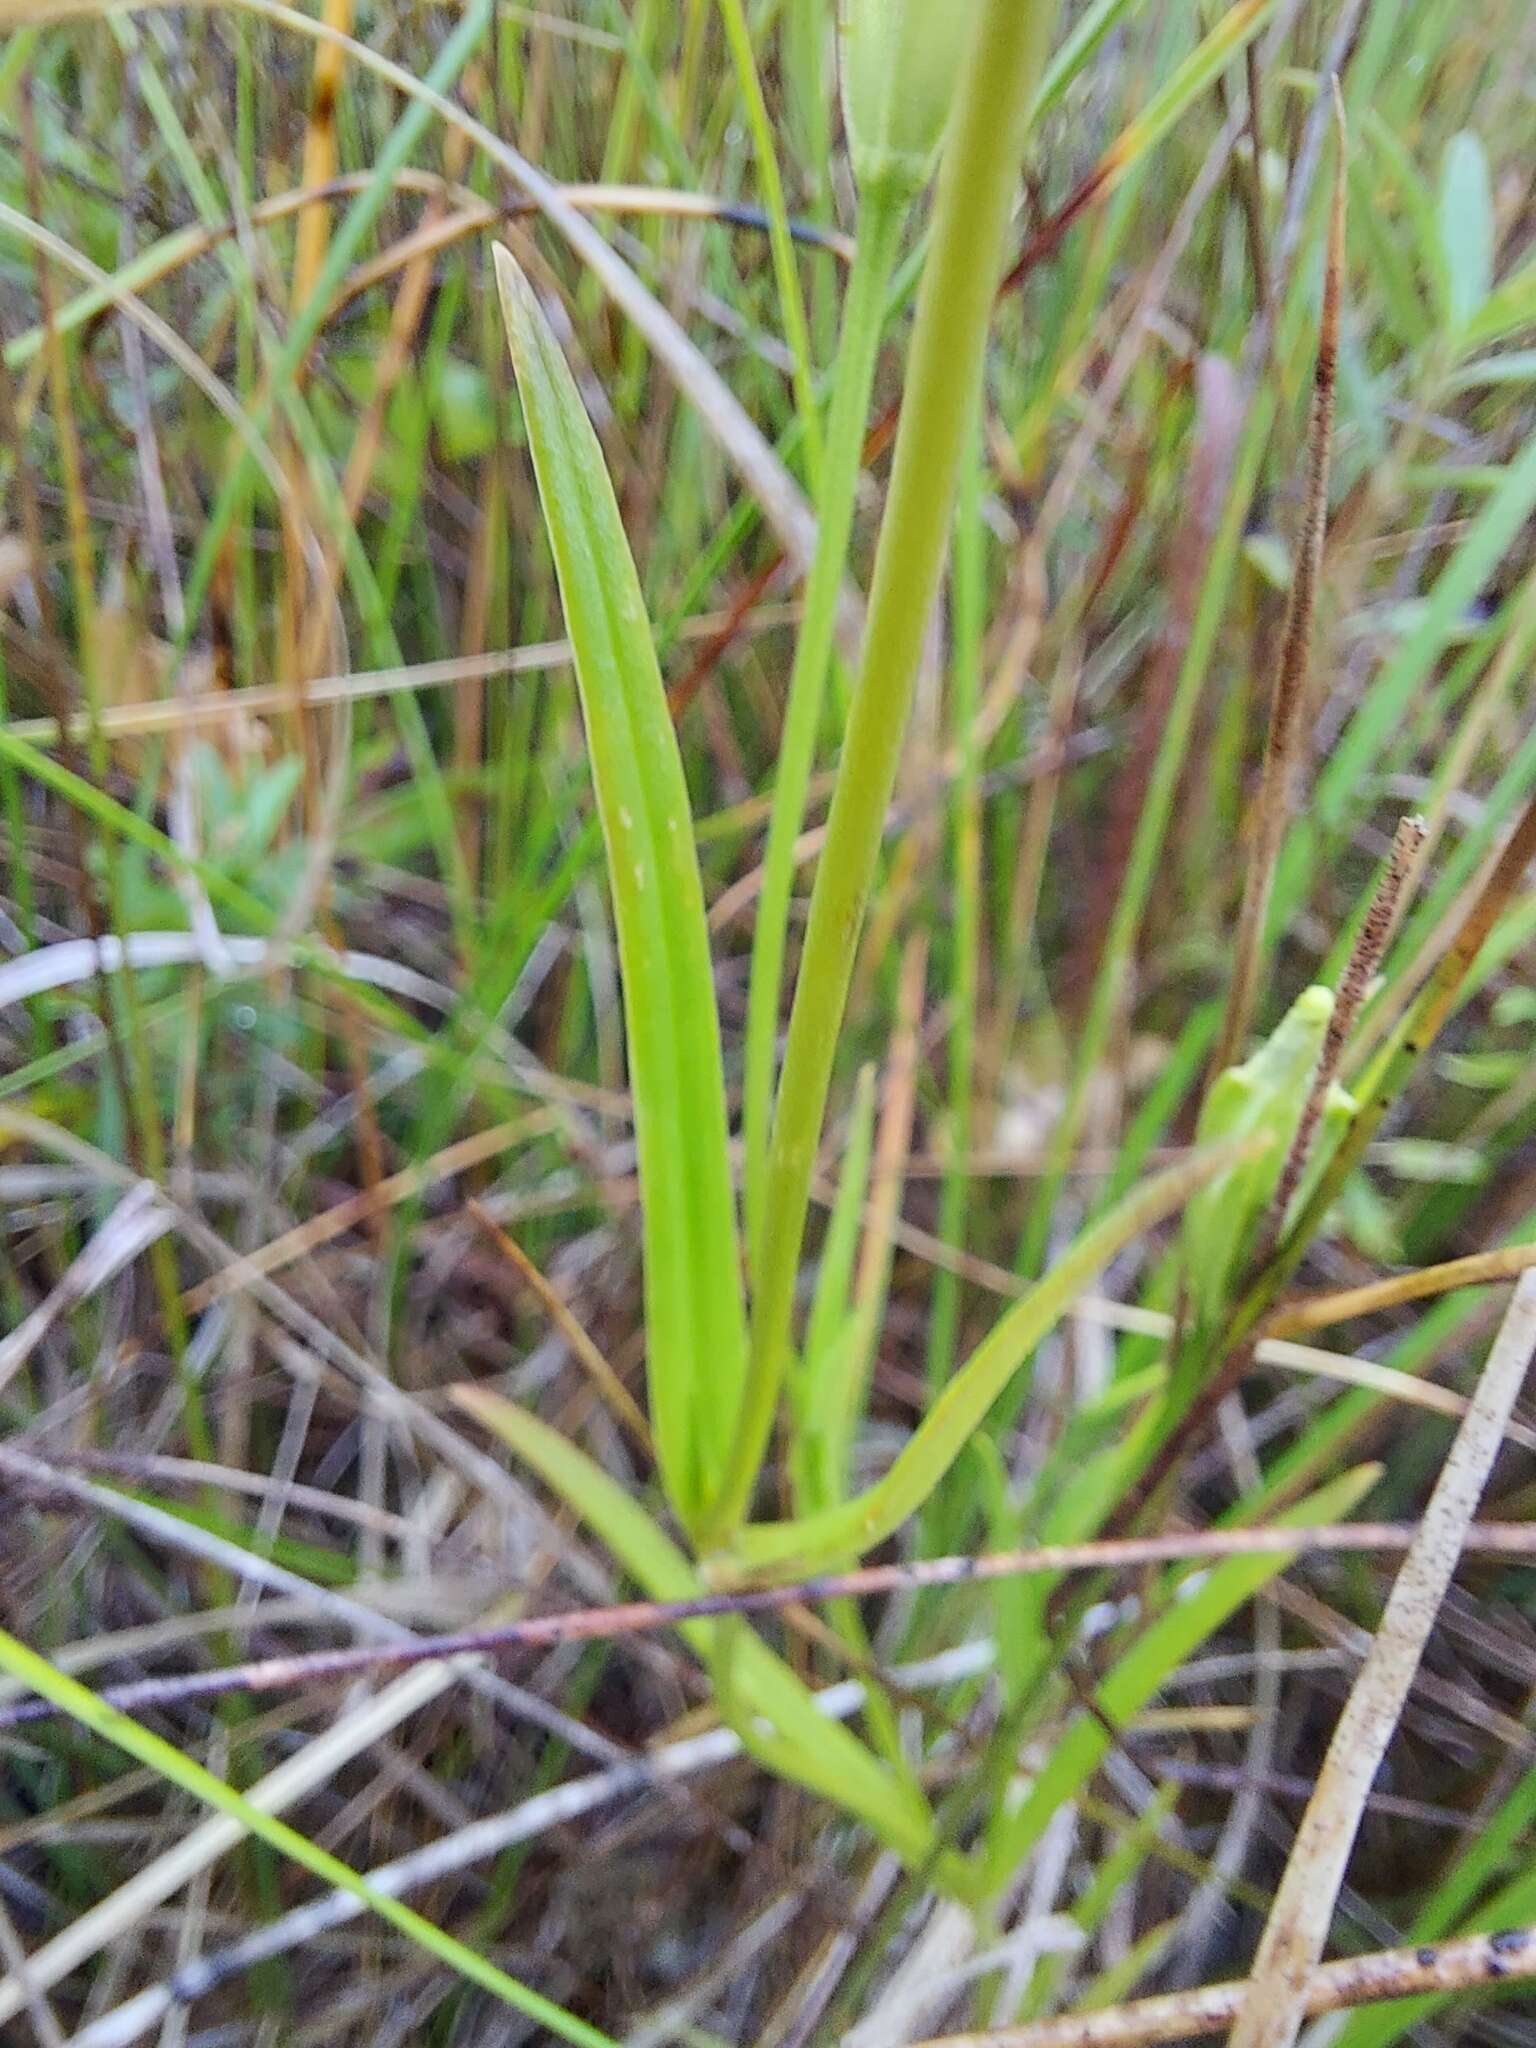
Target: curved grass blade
x=857 y=1525
x=803 y=1745
x=694 y=1313
x=1167 y=1643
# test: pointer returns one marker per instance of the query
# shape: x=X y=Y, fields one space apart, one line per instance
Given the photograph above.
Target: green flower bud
x=900 y=62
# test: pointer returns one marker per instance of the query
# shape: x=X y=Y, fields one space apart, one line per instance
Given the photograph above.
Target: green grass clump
x=759 y=775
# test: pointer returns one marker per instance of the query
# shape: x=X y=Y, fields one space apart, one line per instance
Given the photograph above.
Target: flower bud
x=900 y=62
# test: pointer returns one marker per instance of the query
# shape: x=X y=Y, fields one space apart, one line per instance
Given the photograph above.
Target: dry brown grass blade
x=1478 y=1269
x=782 y=502
x=437 y=231
x=1276 y=788
x=609 y=1386
x=260 y=700
x=1274 y=2004
x=320 y=151
x=1478 y=1960
x=361 y=1208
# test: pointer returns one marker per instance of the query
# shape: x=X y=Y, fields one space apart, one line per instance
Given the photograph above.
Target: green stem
x=791 y=300
x=976 y=187
x=881 y=221
x=968 y=604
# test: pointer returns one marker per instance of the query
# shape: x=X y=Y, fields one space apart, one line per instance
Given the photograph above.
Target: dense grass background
x=290 y=724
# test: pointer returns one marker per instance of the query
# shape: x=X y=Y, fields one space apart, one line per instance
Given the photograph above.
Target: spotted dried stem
x=647 y=1617
x=1364 y=959
x=1289 y=692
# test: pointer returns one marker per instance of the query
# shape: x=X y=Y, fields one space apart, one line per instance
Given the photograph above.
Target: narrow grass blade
x=818 y=1754
x=1160 y=1650
x=1466 y=227
x=694 y=1313
x=1466 y=573
x=170 y=1763
x=857 y=1525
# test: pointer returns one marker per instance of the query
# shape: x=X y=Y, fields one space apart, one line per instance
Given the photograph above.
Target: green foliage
x=1070 y=576
x=694 y=1316
x=1257 y=1105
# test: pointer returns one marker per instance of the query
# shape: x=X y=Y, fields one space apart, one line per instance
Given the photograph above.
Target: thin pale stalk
x=791 y=299
x=969 y=610
x=1276 y=2000
x=1477 y=1960
x=646 y=1617
x=1477 y=1269
x=882 y=219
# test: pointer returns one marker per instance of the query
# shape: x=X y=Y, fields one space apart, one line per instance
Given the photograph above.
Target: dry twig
x=1479 y=1959
x=1276 y=1999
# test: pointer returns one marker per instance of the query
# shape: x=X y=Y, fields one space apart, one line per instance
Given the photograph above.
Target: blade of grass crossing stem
x=816 y=1753
x=1197 y=1609
x=1452 y=1910
x=1195 y=76
x=1077 y=47
x=178 y=1769
x=857 y=1525
x=976 y=188
x=694 y=1314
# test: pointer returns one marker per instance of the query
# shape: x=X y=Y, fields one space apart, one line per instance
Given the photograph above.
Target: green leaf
x=1200 y=1603
x=803 y=1744
x=1508 y=308
x=72 y=1698
x=1460 y=1903
x=1466 y=227
x=1262 y=1099
x=694 y=1313
x=857 y=1525
x=1077 y=47
x=1189 y=81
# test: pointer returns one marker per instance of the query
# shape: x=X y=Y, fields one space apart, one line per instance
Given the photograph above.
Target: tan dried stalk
x=1478 y=1959
x=1275 y=2002
x=1478 y=1269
